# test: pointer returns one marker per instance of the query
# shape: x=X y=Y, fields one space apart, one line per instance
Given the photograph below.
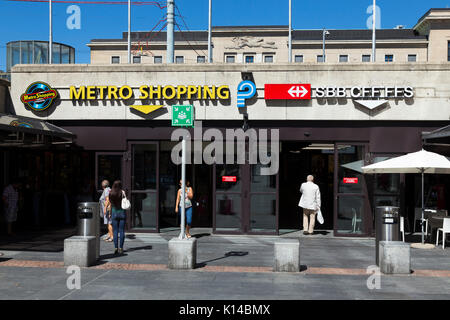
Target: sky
x=29 y=20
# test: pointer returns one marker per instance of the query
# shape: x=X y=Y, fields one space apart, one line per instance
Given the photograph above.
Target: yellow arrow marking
x=146 y=109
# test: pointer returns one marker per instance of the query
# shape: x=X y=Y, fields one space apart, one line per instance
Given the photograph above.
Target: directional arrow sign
x=371 y=104
x=287 y=91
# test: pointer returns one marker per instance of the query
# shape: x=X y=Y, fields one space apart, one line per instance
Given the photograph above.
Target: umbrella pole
x=423 y=206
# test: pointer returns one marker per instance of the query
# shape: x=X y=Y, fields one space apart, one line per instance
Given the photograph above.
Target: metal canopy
x=23 y=131
x=436 y=134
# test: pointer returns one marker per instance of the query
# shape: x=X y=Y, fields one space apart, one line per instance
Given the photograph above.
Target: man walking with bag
x=310 y=202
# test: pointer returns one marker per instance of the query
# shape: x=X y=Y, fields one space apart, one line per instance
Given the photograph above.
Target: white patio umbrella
x=417 y=162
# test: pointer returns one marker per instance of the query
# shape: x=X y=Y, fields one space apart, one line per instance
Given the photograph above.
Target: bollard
x=287 y=255
x=80 y=251
x=395 y=257
x=182 y=253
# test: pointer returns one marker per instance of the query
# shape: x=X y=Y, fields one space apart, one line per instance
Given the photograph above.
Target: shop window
x=179 y=59
x=201 y=59
x=389 y=58
x=157 y=59
x=268 y=59
x=230 y=59
x=115 y=59
x=366 y=58
x=320 y=58
x=298 y=58
x=249 y=59
x=136 y=59
x=412 y=57
x=448 y=51
x=343 y=58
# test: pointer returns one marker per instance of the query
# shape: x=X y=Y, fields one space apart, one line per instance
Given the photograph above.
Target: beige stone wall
x=439 y=39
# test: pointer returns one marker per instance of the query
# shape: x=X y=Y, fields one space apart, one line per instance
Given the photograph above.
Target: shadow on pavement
x=226 y=255
x=197 y=236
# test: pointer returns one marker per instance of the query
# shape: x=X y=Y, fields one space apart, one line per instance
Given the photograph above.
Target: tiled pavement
x=229 y=267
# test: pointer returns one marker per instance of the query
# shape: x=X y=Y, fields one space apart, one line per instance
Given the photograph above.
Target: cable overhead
x=137 y=3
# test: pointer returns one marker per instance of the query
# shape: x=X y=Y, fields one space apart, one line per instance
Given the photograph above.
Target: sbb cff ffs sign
x=300 y=91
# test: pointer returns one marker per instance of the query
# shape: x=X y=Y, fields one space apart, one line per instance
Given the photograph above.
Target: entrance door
x=245 y=200
x=144 y=186
x=351 y=201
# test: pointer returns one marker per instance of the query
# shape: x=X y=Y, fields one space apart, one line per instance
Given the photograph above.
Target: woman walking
x=188 y=195
x=106 y=213
x=118 y=215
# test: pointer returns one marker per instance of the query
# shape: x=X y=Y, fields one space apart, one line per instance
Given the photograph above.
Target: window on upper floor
x=249 y=59
x=179 y=59
x=448 y=52
x=389 y=58
x=343 y=58
x=268 y=59
x=412 y=57
x=320 y=58
x=366 y=58
x=115 y=59
x=298 y=58
x=157 y=59
x=201 y=59
x=230 y=58
x=136 y=59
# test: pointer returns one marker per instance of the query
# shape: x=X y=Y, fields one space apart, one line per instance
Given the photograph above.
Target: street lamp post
x=324 y=33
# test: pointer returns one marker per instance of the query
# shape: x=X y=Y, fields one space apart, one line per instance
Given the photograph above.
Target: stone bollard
x=395 y=257
x=182 y=253
x=287 y=255
x=80 y=251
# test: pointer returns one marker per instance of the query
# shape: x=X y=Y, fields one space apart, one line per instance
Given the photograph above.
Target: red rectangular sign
x=350 y=180
x=228 y=178
x=300 y=91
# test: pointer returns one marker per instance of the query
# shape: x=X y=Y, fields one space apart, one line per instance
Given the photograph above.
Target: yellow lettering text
x=77 y=94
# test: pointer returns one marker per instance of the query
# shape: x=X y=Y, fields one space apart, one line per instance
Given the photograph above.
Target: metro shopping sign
x=299 y=91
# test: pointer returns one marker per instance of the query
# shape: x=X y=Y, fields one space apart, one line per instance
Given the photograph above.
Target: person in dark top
x=118 y=215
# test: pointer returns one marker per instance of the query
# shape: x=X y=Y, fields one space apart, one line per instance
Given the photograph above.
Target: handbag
x=125 y=202
x=319 y=216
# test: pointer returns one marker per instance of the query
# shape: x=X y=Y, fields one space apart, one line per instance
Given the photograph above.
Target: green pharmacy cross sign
x=183 y=116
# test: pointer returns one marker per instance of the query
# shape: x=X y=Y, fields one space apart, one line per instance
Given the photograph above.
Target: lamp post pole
x=290 y=32
x=50 y=36
x=183 y=189
x=129 y=32
x=325 y=32
x=374 y=15
x=209 y=32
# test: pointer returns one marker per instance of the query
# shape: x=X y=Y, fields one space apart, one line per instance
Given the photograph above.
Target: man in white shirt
x=310 y=202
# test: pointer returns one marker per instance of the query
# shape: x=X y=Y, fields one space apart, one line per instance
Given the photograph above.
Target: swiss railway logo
x=39 y=96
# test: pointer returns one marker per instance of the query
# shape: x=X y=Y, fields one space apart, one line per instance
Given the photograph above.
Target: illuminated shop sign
x=167 y=92
x=351 y=180
x=39 y=96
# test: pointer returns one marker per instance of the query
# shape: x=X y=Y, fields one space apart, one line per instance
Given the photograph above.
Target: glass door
x=144 y=185
x=108 y=166
x=351 y=201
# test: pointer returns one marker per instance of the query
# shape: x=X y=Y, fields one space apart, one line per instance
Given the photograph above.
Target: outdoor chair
x=445 y=229
x=418 y=216
x=402 y=227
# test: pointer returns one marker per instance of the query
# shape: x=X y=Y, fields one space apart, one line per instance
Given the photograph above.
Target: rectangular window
x=201 y=59
x=115 y=59
x=249 y=59
x=320 y=58
x=343 y=58
x=230 y=59
x=448 y=55
x=268 y=59
x=179 y=59
x=412 y=57
x=136 y=59
x=366 y=58
x=298 y=58
x=389 y=58
x=157 y=59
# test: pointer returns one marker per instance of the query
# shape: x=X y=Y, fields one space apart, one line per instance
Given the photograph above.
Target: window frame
x=268 y=55
x=386 y=55
x=204 y=59
x=249 y=55
x=366 y=55
x=140 y=59
x=159 y=57
x=176 y=59
x=112 y=59
x=322 y=57
x=343 y=55
x=299 y=55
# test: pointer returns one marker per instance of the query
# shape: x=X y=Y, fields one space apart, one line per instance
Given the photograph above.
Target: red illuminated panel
x=228 y=178
x=350 y=180
x=300 y=91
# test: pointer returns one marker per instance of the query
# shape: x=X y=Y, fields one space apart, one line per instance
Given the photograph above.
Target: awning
x=18 y=131
x=437 y=134
x=437 y=140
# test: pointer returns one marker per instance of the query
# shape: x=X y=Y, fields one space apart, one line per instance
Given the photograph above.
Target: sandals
x=109 y=240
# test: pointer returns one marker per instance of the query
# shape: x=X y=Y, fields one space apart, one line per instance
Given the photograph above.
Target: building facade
x=326 y=119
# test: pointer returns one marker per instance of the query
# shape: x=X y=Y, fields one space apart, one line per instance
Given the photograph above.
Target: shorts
x=188 y=213
x=11 y=215
x=107 y=219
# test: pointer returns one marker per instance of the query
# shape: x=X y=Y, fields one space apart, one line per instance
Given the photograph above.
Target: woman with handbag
x=188 y=195
x=119 y=203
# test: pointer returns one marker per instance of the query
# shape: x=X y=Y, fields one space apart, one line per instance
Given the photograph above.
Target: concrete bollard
x=395 y=257
x=80 y=251
x=182 y=253
x=287 y=255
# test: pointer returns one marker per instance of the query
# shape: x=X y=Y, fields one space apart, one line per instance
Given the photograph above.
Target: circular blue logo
x=39 y=96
